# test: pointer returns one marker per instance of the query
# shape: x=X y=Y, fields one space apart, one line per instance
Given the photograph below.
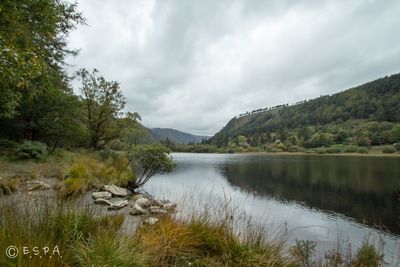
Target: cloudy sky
x=193 y=65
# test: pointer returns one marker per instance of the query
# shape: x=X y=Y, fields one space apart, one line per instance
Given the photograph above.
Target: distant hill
x=177 y=137
x=370 y=112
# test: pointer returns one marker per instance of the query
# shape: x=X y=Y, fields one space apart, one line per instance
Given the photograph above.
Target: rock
x=37 y=185
x=117 y=191
x=102 y=194
x=118 y=204
x=143 y=202
x=157 y=203
x=137 y=210
x=157 y=210
x=151 y=221
x=169 y=206
x=102 y=201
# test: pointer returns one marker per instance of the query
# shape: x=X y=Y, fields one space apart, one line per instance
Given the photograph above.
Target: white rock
x=102 y=194
x=118 y=204
x=157 y=203
x=143 y=202
x=37 y=185
x=102 y=201
x=117 y=191
x=169 y=206
x=151 y=221
x=137 y=210
x=158 y=211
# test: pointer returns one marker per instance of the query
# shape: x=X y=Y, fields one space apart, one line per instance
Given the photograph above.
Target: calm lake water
x=322 y=198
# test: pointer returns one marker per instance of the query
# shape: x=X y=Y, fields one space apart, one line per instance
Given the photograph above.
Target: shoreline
x=379 y=154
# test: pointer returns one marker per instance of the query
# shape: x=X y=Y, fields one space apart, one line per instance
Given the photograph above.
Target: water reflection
x=363 y=188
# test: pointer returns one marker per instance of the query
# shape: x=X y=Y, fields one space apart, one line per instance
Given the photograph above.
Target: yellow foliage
x=87 y=172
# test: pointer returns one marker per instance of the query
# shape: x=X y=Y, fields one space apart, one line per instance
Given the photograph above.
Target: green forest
x=38 y=106
x=350 y=121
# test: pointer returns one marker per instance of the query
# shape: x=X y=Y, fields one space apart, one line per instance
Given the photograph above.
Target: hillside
x=175 y=136
x=368 y=114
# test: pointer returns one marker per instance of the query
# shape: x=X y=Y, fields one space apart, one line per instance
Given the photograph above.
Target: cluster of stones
x=115 y=197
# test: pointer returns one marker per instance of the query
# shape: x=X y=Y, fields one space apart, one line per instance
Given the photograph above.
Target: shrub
x=320 y=150
x=32 y=150
x=388 y=149
x=362 y=150
x=296 y=149
x=334 y=150
x=350 y=149
x=7 y=144
x=397 y=146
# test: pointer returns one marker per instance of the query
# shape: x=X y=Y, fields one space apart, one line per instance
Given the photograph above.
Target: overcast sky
x=193 y=65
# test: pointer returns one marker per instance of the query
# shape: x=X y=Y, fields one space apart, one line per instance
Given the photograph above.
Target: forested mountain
x=175 y=136
x=365 y=115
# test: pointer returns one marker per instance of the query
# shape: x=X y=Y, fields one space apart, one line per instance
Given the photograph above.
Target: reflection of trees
x=352 y=186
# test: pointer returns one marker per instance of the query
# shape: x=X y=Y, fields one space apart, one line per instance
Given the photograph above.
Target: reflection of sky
x=197 y=179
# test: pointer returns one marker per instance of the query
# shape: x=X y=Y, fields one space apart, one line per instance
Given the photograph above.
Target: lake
x=324 y=198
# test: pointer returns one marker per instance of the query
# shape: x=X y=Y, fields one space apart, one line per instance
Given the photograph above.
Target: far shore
x=283 y=153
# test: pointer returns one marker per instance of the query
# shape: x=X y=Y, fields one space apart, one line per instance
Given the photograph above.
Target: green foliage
x=350 y=149
x=7 y=144
x=150 y=159
x=103 y=102
x=365 y=115
x=31 y=150
x=388 y=149
x=333 y=150
x=362 y=150
x=33 y=42
x=296 y=149
x=397 y=146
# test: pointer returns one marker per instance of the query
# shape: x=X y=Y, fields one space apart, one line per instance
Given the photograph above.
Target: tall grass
x=208 y=238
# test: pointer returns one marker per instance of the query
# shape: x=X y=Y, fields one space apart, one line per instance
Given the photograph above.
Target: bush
x=362 y=150
x=397 y=146
x=7 y=144
x=388 y=149
x=350 y=149
x=320 y=150
x=334 y=150
x=32 y=150
x=296 y=149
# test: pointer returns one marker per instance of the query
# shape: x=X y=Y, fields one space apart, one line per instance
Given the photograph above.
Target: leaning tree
x=148 y=160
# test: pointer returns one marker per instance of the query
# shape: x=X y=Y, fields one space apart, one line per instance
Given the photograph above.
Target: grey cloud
x=192 y=65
